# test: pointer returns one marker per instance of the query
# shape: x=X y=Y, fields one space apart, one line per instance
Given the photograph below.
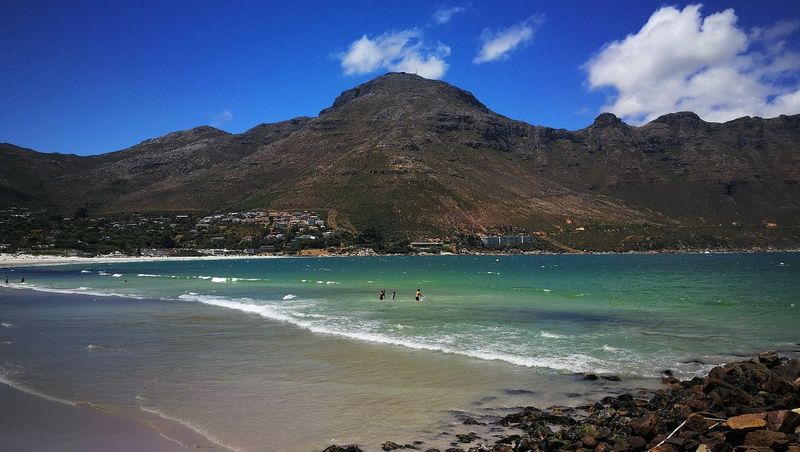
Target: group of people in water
x=21 y=280
x=382 y=295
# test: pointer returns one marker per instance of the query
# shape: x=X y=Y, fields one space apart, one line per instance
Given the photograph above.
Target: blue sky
x=90 y=77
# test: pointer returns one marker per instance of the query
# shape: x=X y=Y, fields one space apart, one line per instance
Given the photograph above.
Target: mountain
x=419 y=157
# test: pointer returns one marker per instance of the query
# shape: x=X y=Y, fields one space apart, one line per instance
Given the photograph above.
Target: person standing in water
x=382 y=295
x=419 y=295
x=394 y=294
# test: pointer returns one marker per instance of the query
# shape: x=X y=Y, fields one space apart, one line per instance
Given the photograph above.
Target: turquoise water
x=297 y=334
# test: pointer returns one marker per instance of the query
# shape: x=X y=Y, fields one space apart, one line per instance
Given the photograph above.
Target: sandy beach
x=26 y=260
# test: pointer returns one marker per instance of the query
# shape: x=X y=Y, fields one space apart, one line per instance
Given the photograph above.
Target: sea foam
x=574 y=362
x=4 y=379
x=195 y=428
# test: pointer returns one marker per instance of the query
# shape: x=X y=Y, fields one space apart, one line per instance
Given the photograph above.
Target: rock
x=539 y=431
x=390 y=445
x=696 y=404
x=723 y=394
x=668 y=373
x=645 y=426
x=410 y=446
x=664 y=448
x=472 y=421
x=670 y=381
x=765 y=438
x=747 y=421
x=502 y=448
x=702 y=448
x=696 y=423
x=610 y=378
x=602 y=447
x=691 y=444
x=582 y=430
x=589 y=441
x=466 y=437
x=590 y=377
x=603 y=433
x=528 y=415
x=769 y=358
x=783 y=421
x=637 y=443
x=676 y=441
x=528 y=444
x=621 y=445
x=510 y=439
x=347 y=448
x=554 y=443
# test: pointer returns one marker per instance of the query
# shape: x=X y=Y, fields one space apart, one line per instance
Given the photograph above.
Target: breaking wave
x=573 y=362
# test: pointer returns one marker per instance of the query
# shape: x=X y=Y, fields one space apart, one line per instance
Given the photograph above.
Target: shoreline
x=8 y=260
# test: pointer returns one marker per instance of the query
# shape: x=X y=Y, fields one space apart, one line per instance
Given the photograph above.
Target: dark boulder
x=766 y=438
x=466 y=437
x=472 y=421
x=390 y=445
x=347 y=448
x=769 y=358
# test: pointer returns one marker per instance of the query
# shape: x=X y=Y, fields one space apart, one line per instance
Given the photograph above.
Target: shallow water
x=294 y=354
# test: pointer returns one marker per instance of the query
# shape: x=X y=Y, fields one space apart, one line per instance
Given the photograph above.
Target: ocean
x=299 y=353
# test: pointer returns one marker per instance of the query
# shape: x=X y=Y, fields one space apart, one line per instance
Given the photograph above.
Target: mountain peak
x=681 y=118
x=607 y=120
x=397 y=87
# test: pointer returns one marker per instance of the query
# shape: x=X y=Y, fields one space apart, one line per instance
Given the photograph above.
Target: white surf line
x=30 y=391
x=270 y=313
x=200 y=431
x=75 y=291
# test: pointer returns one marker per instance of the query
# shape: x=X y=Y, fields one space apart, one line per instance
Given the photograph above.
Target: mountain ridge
x=419 y=157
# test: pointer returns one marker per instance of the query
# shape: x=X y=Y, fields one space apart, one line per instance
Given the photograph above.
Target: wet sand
x=28 y=422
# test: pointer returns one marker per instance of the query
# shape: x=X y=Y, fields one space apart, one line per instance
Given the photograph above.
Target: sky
x=88 y=77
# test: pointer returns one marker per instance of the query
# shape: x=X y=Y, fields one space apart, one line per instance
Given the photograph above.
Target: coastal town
x=251 y=232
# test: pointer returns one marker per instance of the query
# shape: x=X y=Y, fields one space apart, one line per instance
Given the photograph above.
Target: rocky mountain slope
x=420 y=157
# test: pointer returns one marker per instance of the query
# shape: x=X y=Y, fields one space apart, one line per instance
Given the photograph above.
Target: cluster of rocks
x=743 y=406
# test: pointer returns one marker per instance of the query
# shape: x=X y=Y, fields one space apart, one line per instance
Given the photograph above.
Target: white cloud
x=402 y=51
x=218 y=119
x=682 y=61
x=497 y=44
x=443 y=15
